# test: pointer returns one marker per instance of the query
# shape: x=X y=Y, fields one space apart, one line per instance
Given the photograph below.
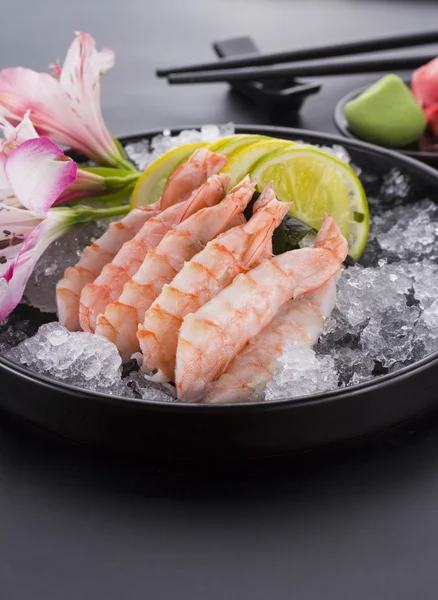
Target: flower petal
x=15 y=225
x=66 y=110
x=12 y=136
x=38 y=172
x=24 y=130
x=13 y=281
x=7 y=129
x=16 y=135
x=5 y=188
x=80 y=79
x=52 y=114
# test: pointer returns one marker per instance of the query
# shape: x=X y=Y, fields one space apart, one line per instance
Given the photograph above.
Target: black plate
x=164 y=430
x=430 y=158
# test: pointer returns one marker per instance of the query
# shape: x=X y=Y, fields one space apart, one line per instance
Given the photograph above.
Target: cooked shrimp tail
x=328 y=237
x=190 y=175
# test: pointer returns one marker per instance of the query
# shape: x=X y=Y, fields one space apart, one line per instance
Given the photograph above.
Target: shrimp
x=190 y=175
x=210 y=338
x=210 y=271
x=186 y=178
x=109 y=284
x=95 y=257
x=298 y=321
x=121 y=319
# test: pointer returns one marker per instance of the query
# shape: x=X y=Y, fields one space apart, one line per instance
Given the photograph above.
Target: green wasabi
x=387 y=113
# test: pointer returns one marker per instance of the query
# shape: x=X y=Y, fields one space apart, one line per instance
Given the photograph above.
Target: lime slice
x=317 y=182
x=226 y=146
x=151 y=183
x=241 y=160
x=221 y=141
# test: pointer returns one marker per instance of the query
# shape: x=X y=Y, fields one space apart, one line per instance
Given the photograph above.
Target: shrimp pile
x=121 y=319
x=184 y=180
x=191 y=289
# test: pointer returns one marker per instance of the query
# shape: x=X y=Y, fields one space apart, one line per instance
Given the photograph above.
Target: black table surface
x=75 y=523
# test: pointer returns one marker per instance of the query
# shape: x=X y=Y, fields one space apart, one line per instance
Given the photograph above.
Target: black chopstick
x=306 y=69
x=358 y=47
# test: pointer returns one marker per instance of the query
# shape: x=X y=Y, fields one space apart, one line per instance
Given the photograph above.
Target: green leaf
x=289 y=234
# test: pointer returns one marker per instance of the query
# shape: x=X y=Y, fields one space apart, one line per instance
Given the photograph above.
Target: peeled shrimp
x=210 y=338
x=109 y=284
x=210 y=271
x=121 y=319
x=190 y=175
x=186 y=178
x=95 y=257
x=298 y=321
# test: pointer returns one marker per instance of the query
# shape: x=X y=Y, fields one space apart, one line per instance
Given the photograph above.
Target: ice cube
x=300 y=373
x=388 y=337
x=426 y=331
x=364 y=291
x=415 y=232
x=138 y=153
x=78 y=358
x=395 y=188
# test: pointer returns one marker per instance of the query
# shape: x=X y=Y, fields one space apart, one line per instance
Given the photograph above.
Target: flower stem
x=125 y=164
x=88 y=213
x=80 y=214
x=112 y=211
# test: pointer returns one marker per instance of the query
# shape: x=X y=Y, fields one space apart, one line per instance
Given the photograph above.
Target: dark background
x=77 y=524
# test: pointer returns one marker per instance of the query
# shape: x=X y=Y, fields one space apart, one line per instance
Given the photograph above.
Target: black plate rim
x=341 y=123
x=249 y=407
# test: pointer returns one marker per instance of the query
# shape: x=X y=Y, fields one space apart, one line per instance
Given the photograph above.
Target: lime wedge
x=317 y=182
x=228 y=145
x=151 y=183
x=241 y=160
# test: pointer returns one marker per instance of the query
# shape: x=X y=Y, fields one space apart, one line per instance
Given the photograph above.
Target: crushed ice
x=84 y=360
x=143 y=152
x=386 y=315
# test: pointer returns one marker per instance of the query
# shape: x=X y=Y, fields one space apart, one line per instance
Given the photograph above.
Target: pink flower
x=13 y=136
x=66 y=109
x=37 y=175
x=107 y=184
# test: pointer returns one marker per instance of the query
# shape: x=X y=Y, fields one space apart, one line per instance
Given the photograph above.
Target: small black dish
x=274 y=96
x=162 y=430
x=414 y=151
